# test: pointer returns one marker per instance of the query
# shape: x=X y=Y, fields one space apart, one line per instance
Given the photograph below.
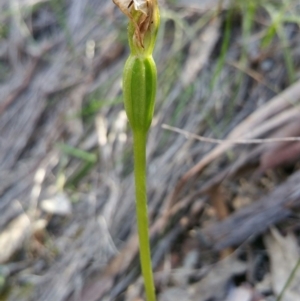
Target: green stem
x=139 y=145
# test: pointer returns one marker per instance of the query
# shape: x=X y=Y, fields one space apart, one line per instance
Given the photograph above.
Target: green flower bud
x=139 y=77
x=139 y=88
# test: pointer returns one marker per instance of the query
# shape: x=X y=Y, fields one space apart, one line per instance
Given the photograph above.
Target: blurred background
x=224 y=216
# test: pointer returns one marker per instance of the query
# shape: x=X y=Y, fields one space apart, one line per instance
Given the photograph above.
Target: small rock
x=58 y=204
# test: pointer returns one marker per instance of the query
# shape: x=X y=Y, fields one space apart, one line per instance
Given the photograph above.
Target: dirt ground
x=223 y=153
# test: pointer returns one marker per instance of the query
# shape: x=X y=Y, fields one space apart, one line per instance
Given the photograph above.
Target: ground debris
x=284 y=257
x=67 y=226
x=256 y=218
x=14 y=236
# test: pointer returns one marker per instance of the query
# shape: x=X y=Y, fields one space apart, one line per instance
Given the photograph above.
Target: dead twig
x=255 y=218
x=189 y=135
x=276 y=112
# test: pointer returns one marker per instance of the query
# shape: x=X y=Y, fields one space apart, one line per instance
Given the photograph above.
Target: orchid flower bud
x=139 y=88
x=139 y=77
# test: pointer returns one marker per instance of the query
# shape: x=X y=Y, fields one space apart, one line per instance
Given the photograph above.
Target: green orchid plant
x=139 y=89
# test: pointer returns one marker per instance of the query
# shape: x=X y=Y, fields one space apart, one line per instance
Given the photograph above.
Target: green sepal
x=139 y=88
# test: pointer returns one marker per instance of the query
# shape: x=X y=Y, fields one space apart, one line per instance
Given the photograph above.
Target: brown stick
x=255 y=219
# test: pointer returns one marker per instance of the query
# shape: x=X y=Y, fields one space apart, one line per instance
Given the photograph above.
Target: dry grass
x=65 y=147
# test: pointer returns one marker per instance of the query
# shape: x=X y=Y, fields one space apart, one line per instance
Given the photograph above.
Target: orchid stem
x=139 y=145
